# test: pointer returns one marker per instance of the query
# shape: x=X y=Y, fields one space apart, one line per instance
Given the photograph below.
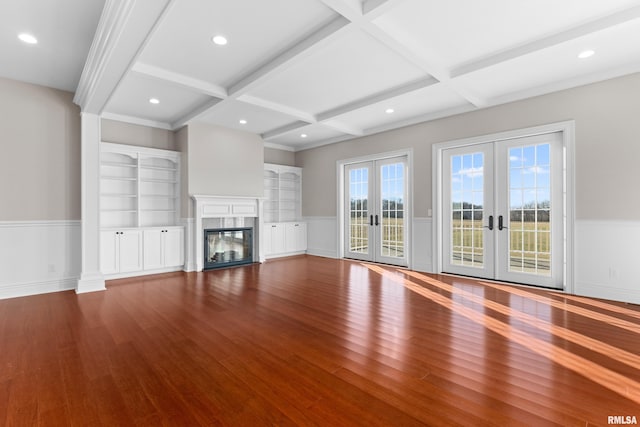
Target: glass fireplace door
x=227 y=247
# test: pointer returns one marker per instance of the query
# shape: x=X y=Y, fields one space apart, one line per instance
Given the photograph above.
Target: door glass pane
x=392 y=203
x=358 y=210
x=467 y=210
x=530 y=209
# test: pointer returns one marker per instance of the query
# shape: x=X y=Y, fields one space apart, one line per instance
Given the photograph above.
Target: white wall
x=224 y=162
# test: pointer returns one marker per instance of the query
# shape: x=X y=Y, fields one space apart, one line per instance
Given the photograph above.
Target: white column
x=91 y=278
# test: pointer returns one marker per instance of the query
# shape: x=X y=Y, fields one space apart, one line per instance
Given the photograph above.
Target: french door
x=376 y=211
x=503 y=210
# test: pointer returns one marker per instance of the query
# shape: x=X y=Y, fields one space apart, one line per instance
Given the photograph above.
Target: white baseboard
x=34 y=288
x=38 y=257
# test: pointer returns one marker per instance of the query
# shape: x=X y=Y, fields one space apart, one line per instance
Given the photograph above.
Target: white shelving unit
x=282 y=192
x=139 y=195
x=284 y=233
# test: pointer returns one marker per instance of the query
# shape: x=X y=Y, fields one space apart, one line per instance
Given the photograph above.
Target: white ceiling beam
x=423 y=60
x=123 y=30
x=350 y=9
x=375 y=8
x=289 y=57
x=546 y=42
x=283 y=130
x=195 y=113
x=378 y=97
x=343 y=127
x=136 y=121
x=274 y=106
x=422 y=118
x=181 y=80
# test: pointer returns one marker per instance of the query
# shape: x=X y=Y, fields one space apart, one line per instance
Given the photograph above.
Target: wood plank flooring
x=316 y=341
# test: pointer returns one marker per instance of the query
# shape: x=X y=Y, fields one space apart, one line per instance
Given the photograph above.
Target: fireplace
x=226 y=247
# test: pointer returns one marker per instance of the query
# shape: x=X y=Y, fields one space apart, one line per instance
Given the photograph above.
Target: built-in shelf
x=139 y=186
x=282 y=192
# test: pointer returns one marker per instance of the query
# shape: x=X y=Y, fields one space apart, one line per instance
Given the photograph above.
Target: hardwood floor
x=315 y=341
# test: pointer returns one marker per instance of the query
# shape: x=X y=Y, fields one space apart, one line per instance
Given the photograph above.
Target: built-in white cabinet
x=120 y=251
x=284 y=239
x=284 y=233
x=295 y=236
x=139 y=208
x=163 y=247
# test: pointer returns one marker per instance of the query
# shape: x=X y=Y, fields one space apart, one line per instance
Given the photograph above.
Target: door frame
x=567 y=128
x=341 y=208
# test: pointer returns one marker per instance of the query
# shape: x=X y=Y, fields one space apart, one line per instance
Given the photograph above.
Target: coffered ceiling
x=304 y=73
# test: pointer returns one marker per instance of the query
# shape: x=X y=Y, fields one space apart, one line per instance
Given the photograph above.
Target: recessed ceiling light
x=28 y=38
x=243 y=122
x=586 y=54
x=389 y=110
x=154 y=100
x=303 y=135
x=219 y=40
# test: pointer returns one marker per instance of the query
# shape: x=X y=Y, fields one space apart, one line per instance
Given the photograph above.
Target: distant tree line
x=529 y=212
x=390 y=208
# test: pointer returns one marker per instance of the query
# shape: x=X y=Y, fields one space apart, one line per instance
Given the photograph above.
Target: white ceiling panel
x=314 y=133
x=256 y=31
x=342 y=71
x=64 y=29
x=422 y=102
x=258 y=120
x=559 y=66
x=460 y=31
x=133 y=95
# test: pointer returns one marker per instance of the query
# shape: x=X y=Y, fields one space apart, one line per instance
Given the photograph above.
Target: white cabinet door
x=153 y=249
x=130 y=245
x=173 y=247
x=295 y=237
x=109 y=252
x=274 y=238
x=301 y=237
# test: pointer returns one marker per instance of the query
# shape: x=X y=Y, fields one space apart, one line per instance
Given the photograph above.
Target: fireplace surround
x=228 y=212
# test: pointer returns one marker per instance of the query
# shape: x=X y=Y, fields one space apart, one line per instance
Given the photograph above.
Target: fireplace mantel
x=226 y=207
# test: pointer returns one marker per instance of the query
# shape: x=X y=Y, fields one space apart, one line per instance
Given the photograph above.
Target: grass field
x=529 y=245
x=392 y=236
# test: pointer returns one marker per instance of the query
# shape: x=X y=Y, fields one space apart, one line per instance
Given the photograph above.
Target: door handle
x=376 y=219
x=490 y=222
x=500 y=225
x=371 y=220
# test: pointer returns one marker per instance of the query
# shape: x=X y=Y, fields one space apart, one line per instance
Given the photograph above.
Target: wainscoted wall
x=607 y=259
x=421 y=242
x=322 y=236
x=38 y=257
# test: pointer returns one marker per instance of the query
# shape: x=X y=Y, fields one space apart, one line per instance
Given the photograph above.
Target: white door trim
x=340 y=164
x=567 y=128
